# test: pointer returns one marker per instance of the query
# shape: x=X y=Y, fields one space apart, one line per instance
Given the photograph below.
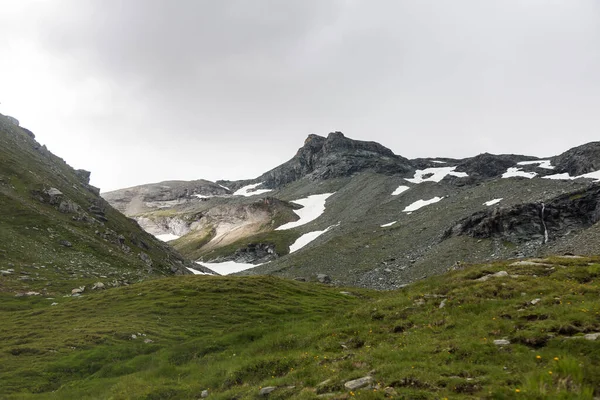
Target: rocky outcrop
x=579 y=160
x=335 y=156
x=485 y=166
x=534 y=221
x=143 y=198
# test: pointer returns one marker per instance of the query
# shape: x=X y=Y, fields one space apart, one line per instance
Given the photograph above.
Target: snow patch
x=435 y=174
x=167 y=237
x=439 y=162
x=546 y=164
x=420 y=204
x=401 y=189
x=492 y=202
x=246 y=190
x=518 y=172
x=201 y=196
x=592 y=175
x=227 y=267
x=306 y=239
x=196 y=272
x=390 y=224
x=313 y=207
x=224 y=187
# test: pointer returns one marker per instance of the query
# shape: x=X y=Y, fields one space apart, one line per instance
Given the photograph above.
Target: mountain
x=363 y=216
x=57 y=233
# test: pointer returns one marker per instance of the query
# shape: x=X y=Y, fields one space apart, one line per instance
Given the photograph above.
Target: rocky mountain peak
x=335 y=156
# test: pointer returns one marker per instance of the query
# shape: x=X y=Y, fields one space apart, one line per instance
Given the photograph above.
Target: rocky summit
x=364 y=216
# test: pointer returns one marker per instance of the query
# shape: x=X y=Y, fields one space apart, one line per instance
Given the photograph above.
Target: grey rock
x=98 y=286
x=204 y=394
x=535 y=301
x=323 y=278
x=78 y=290
x=592 y=336
x=358 y=383
x=146 y=258
x=66 y=243
x=501 y=342
x=500 y=274
x=443 y=303
x=266 y=390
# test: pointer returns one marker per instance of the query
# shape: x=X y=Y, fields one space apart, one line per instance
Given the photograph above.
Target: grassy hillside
x=56 y=231
x=176 y=337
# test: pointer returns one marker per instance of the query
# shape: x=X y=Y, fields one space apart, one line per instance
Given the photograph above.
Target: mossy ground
x=234 y=335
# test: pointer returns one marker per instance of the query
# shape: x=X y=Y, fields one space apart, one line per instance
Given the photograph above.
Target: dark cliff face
x=579 y=160
x=534 y=221
x=333 y=157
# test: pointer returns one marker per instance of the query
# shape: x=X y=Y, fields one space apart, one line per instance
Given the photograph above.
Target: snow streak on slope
x=306 y=239
x=314 y=206
x=387 y=225
x=546 y=164
x=167 y=237
x=227 y=267
x=435 y=174
x=420 y=204
x=196 y=272
x=592 y=175
x=517 y=172
x=492 y=202
x=401 y=189
x=247 y=190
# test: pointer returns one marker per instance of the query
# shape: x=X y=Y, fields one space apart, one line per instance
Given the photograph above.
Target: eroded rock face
x=490 y=165
x=579 y=160
x=335 y=156
x=534 y=221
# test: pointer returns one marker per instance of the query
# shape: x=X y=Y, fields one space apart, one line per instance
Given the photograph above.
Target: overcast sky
x=140 y=91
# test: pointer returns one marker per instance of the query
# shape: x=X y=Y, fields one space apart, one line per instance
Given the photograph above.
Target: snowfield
x=401 y=189
x=592 y=175
x=306 y=239
x=435 y=174
x=167 y=237
x=227 y=267
x=387 y=225
x=492 y=202
x=517 y=172
x=420 y=204
x=196 y=272
x=313 y=208
x=546 y=164
x=247 y=191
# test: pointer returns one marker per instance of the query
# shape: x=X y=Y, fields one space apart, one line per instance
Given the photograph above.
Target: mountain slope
x=57 y=233
x=386 y=220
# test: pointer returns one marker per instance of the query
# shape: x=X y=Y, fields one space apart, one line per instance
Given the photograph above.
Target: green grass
x=233 y=336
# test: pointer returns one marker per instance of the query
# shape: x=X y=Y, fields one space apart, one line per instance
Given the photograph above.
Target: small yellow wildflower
x=517 y=390
x=555 y=358
x=538 y=357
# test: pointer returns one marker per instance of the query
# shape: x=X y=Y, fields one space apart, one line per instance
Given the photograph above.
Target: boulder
x=324 y=278
x=266 y=390
x=501 y=342
x=358 y=383
x=98 y=285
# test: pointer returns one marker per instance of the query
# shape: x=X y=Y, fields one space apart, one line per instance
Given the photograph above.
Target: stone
x=78 y=290
x=98 y=285
x=324 y=278
x=358 y=383
x=266 y=390
x=146 y=258
x=535 y=301
x=204 y=394
x=592 y=336
x=66 y=243
x=500 y=274
x=147 y=341
x=501 y=342
x=443 y=303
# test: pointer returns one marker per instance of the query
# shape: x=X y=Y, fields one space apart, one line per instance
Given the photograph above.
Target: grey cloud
x=252 y=78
